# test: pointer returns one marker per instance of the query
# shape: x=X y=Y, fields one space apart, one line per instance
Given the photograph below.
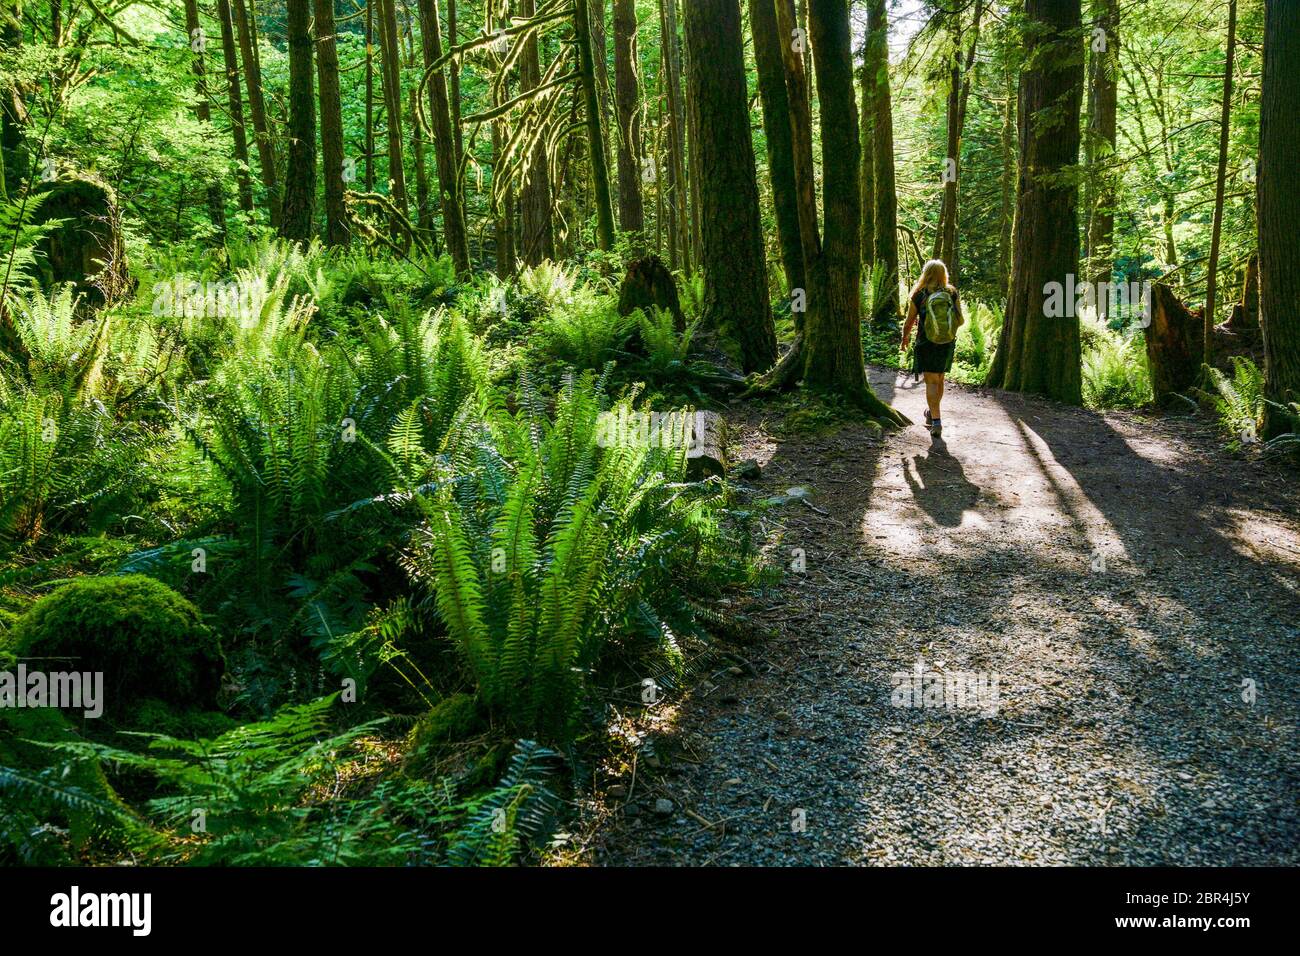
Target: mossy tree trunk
x=1103 y=101
x=537 y=242
x=300 y=173
x=780 y=144
x=235 y=100
x=246 y=27
x=733 y=257
x=390 y=44
x=1278 y=202
x=596 y=140
x=331 y=124
x=1038 y=350
x=202 y=108
x=627 y=101
x=876 y=72
x=444 y=142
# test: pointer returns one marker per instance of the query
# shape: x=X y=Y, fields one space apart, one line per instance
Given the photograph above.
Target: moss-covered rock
x=147 y=640
x=454 y=718
x=159 y=717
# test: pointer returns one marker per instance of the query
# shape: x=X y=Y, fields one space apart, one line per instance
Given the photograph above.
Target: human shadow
x=940 y=486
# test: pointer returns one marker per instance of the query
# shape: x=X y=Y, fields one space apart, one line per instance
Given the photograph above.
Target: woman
x=931 y=359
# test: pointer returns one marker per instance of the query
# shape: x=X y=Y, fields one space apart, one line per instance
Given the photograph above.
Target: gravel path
x=1120 y=577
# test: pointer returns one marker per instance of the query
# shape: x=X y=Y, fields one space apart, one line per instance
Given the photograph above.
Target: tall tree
x=537 y=242
x=235 y=100
x=1216 y=231
x=582 y=38
x=392 y=77
x=1278 y=204
x=876 y=74
x=627 y=99
x=1103 y=102
x=833 y=338
x=331 y=124
x=300 y=173
x=962 y=77
x=780 y=143
x=1038 y=350
x=679 y=232
x=246 y=26
x=735 y=268
x=444 y=143
x=202 y=108
x=13 y=112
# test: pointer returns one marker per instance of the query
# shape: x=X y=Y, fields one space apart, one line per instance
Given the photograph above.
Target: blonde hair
x=934 y=275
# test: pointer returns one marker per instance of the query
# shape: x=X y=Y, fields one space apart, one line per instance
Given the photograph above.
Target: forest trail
x=1121 y=734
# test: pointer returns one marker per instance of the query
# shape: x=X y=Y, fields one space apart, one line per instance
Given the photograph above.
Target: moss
x=159 y=717
x=146 y=639
x=455 y=718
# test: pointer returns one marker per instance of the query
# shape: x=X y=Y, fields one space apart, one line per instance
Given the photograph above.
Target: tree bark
x=734 y=261
x=833 y=336
x=235 y=100
x=1216 y=231
x=331 y=124
x=679 y=243
x=300 y=173
x=1038 y=350
x=392 y=77
x=1278 y=204
x=538 y=238
x=595 y=127
x=876 y=70
x=780 y=144
x=627 y=100
x=1103 y=100
x=444 y=144
x=202 y=109
x=247 y=29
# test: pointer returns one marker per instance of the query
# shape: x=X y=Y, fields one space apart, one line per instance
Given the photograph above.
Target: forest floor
x=1123 y=576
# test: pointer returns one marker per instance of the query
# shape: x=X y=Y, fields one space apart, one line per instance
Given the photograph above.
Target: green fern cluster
x=1239 y=400
x=542 y=544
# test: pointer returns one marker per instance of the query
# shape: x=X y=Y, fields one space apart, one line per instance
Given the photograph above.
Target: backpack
x=940 y=317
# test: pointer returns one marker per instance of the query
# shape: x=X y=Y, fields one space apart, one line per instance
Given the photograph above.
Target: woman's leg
x=933 y=392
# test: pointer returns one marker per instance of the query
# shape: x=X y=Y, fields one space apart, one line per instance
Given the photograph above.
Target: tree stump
x=648 y=284
x=1175 y=344
x=87 y=248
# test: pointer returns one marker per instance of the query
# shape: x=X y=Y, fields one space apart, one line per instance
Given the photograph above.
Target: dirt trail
x=1121 y=578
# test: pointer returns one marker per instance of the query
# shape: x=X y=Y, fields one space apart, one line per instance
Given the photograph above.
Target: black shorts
x=928 y=357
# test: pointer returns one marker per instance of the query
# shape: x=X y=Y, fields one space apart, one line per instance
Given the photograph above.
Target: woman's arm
x=911 y=322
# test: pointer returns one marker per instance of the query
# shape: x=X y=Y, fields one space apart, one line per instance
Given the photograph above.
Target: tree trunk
x=627 y=100
x=1008 y=184
x=13 y=114
x=247 y=29
x=370 y=97
x=1216 y=231
x=677 y=137
x=833 y=336
x=595 y=127
x=1245 y=314
x=444 y=144
x=202 y=109
x=734 y=262
x=1039 y=349
x=392 y=76
x=300 y=173
x=867 y=175
x=538 y=238
x=1173 y=344
x=780 y=145
x=959 y=96
x=235 y=99
x=1103 y=99
x=331 y=124
x=1278 y=202
x=876 y=70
